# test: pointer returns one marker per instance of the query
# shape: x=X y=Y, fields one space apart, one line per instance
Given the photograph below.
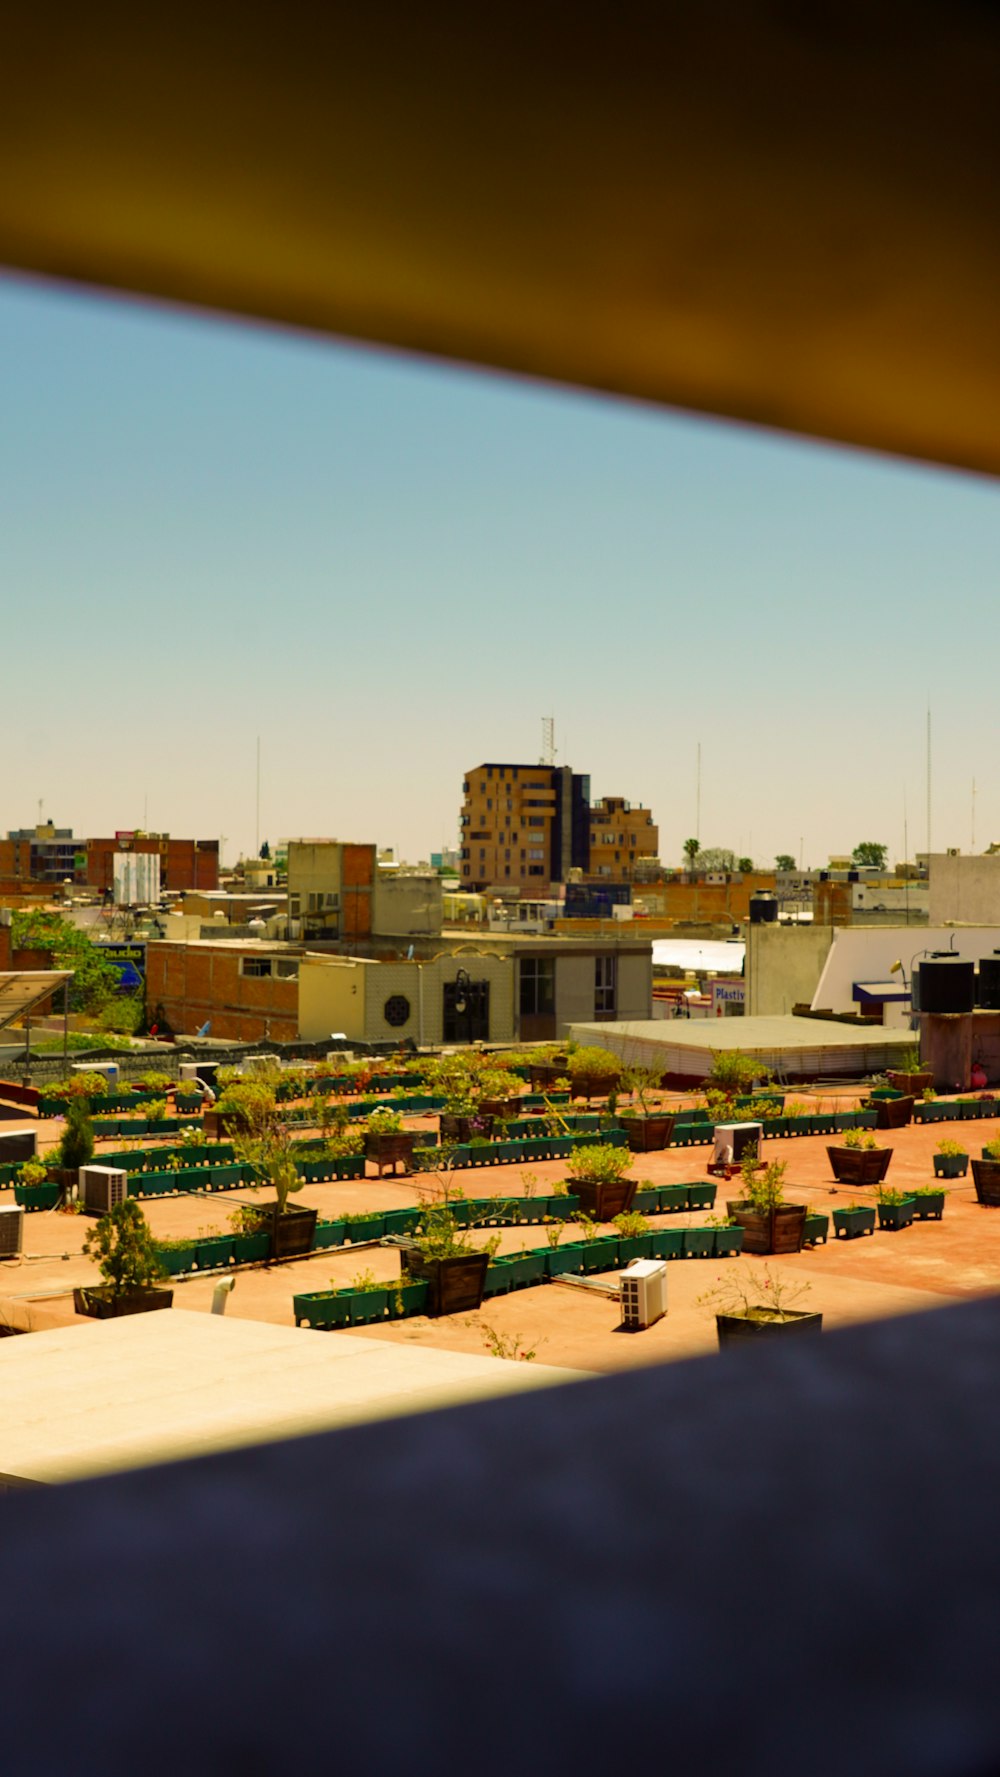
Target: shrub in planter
x=752 y=1305
x=928 y=1204
x=648 y=1130
x=593 y=1072
x=951 y=1160
x=770 y=1225
x=633 y=1235
x=895 y=1209
x=129 y=1264
x=853 y=1220
x=599 y=1181
x=859 y=1160
x=263 y=1146
x=445 y=1257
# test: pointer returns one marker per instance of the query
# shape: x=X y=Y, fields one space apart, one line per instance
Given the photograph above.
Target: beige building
x=964 y=890
x=450 y=999
x=621 y=837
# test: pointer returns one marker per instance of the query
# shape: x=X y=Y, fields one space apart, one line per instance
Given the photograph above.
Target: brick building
x=245 y=990
x=184 y=863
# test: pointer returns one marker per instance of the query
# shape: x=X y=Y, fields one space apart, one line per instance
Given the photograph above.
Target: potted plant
x=858 y=1160
x=33 y=1188
x=444 y=1255
x=593 y=1072
x=770 y=1225
x=951 y=1160
x=647 y=1131
x=387 y=1142
x=129 y=1264
x=633 y=1236
x=986 y=1174
x=892 y=1113
x=753 y=1305
x=734 y=1074
x=474 y=1092
x=909 y=1076
x=263 y=1145
x=928 y=1204
x=599 y=1181
x=75 y=1147
x=241 y=1106
x=853 y=1220
x=895 y=1208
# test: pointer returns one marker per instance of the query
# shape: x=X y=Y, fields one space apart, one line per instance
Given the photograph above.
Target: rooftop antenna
x=256 y=843
x=928 y=785
x=548 y=741
x=697 y=797
x=972 y=839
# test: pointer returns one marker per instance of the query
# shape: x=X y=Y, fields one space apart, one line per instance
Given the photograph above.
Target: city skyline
x=384 y=567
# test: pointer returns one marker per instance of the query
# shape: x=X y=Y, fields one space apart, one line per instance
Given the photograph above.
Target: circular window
x=397 y=1010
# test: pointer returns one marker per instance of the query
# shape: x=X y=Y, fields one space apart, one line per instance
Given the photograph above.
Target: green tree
x=784 y=861
x=744 y=865
x=123 y=1246
x=691 y=849
x=95 y=980
x=265 y=851
x=717 y=858
x=870 y=853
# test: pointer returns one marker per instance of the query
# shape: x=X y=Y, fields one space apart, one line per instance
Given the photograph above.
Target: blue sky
x=391 y=570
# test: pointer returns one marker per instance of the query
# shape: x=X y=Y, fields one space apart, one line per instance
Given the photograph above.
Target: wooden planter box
x=291 y=1234
x=986 y=1174
x=498 y=1107
x=219 y=1125
x=594 y=1085
x=544 y=1074
x=646 y=1135
x=780 y=1230
x=911 y=1083
x=735 y=1329
x=464 y=1129
x=390 y=1150
x=101 y=1304
x=455 y=1285
x=859 y=1166
x=604 y=1202
x=894 y=1113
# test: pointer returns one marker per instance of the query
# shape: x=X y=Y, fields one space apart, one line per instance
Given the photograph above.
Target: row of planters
x=112 y=1128
x=954 y=1110
x=366 y=1301
x=691 y=1131
x=893 y=1209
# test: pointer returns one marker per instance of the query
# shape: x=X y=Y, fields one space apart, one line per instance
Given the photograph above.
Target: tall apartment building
x=523 y=826
x=620 y=837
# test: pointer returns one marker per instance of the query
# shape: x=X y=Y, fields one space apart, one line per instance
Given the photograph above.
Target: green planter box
x=699 y=1243
x=250 y=1249
x=928 y=1206
x=951 y=1165
x=369 y=1306
x=666 y=1243
x=634 y=1246
x=727 y=1242
x=672 y=1198
x=327 y=1234
x=152 y=1184
x=564 y=1208
x=561 y=1261
x=213 y=1253
x=400 y=1221
x=367 y=1228
x=224 y=1178
x=409 y=1298
x=850 y=1224
x=893 y=1216
x=32 y=1197
x=817 y=1228
x=323 y=1308
x=498 y=1280
x=176 y=1260
x=701 y=1196
x=526 y=1269
x=600 y=1254
x=646 y=1203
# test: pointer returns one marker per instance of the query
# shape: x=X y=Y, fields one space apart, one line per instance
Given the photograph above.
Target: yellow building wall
x=332 y=997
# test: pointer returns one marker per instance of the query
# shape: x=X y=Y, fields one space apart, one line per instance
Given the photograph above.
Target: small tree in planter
x=647 y=1130
x=734 y=1074
x=443 y=1252
x=475 y=1090
x=263 y=1144
x=593 y=1072
x=599 y=1181
x=895 y=1208
x=770 y=1225
x=75 y=1147
x=909 y=1076
x=752 y=1305
x=858 y=1160
x=129 y=1264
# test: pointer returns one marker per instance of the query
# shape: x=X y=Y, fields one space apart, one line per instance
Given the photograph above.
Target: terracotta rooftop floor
x=917 y=1268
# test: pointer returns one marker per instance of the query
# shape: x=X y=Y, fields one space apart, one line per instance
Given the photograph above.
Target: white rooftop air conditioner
x=732 y=1141
x=108 y=1068
x=11 y=1231
x=101 y=1187
x=187 y=1070
x=643 y=1293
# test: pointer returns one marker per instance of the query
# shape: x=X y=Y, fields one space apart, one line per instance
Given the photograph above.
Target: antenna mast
x=548 y=741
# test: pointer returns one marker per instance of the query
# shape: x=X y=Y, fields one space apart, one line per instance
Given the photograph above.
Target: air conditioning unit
x=17 y=1145
x=11 y=1231
x=260 y=1064
x=187 y=1070
x=643 y=1293
x=732 y=1140
x=101 y=1187
x=108 y=1068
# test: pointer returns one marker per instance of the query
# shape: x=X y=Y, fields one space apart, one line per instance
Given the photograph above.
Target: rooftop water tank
x=763 y=908
x=947 y=984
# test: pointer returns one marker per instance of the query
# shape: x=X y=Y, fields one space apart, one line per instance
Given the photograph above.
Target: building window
x=536 y=855
x=538 y=985
x=605 y=982
x=255 y=967
x=396 y=1010
x=536 y=870
x=286 y=967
